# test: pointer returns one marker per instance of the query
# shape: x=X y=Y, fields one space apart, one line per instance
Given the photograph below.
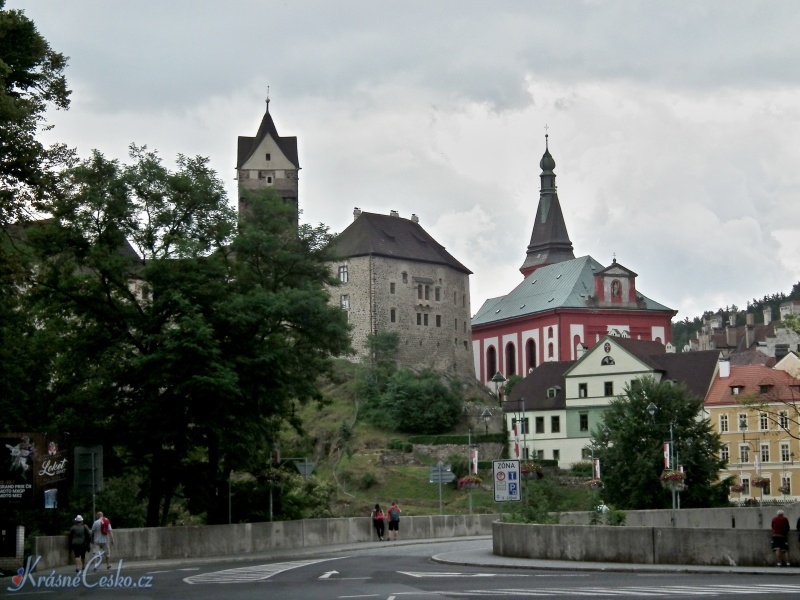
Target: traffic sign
x=440 y=474
x=505 y=474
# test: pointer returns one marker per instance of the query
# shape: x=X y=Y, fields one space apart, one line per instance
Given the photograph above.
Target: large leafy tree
x=185 y=338
x=31 y=81
x=630 y=441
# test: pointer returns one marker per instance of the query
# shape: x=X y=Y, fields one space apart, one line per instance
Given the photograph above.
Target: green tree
x=420 y=404
x=184 y=339
x=630 y=441
x=31 y=80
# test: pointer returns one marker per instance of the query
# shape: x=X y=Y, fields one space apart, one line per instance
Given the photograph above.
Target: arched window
x=549 y=332
x=530 y=351
x=491 y=362
x=550 y=350
x=511 y=359
x=576 y=343
x=419 y=291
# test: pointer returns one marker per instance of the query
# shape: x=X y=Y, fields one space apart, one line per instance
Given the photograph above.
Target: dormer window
x=764 y=389
x=736 y=390
x=553 y=391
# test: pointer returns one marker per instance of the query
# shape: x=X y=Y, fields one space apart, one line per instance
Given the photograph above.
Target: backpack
x=104 y=524
x=379 y=515
x=394 y=514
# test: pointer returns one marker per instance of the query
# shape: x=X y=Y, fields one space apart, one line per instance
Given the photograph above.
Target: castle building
x=564 y=305
x=267 y=161
x=393 y=276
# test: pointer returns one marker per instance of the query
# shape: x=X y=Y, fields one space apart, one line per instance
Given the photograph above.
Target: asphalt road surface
x=390 y=571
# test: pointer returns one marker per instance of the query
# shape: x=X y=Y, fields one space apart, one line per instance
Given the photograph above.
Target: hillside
x=369 y=465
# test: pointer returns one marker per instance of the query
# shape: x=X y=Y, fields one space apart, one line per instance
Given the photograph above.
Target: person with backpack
x=103 y=538
x=394 y=520
x=377 y=521
x=79 y=538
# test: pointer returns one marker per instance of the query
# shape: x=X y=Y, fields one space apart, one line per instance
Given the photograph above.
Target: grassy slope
x=365 y=471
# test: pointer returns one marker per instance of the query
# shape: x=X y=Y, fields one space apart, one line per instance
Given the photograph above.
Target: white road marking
x=254 y=573
x=420 y=574
x=328 y=574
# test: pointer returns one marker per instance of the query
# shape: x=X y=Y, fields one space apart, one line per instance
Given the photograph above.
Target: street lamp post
x=486 y=415
x=498 y=380
x=652 y=409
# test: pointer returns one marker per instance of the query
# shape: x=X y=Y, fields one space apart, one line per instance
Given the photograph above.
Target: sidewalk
x=480 y=555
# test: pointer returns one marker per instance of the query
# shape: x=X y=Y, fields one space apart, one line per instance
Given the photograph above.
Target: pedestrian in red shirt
x=780 y=539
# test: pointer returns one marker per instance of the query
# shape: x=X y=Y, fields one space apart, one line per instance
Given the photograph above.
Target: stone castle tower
x=268 y=161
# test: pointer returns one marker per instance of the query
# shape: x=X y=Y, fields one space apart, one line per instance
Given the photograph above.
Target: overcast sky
x=674 y=125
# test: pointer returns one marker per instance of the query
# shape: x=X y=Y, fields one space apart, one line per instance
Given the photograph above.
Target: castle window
x=393 y=315
x=391 y=287
x=269 y=156
x=419 y=318
x=344 y=301
x=463 y=300
x=269 y=179
x=262 y=174
x=419 y=291
x=427 y=292
x=456 y=324
x=343 y=273
x=405 y=277
x=425 y=319
x=436 y=294
x=455 y=298
x=438 y=320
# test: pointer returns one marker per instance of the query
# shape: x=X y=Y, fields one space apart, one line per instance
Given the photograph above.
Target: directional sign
x=440 y=474
x=505 y=474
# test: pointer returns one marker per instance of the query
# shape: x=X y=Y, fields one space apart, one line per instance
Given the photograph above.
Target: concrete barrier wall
x=247 y=538
x=693 y=518
x=644 y=545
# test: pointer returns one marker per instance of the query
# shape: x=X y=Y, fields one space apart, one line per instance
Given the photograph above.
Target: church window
x=530 y=351
x=549 y=332
x=511 y=360
x=438 y=320
x=343 y=273
x=344 y=300
x=550 y=350
x=393 y=315
x=491 y=362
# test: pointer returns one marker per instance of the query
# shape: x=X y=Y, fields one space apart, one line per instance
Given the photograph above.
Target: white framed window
x=725 y=452
x=344 y=301
x=783 y=420
x=744 y=453
x=764 y=453
x=786 y=455
x=723 y=423
x=741 y=422
x=763 y=421
x=343 y=277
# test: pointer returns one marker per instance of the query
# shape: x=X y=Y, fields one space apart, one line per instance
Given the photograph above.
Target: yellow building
x=755 y=410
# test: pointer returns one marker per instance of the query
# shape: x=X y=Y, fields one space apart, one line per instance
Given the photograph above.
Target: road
x=392 y=571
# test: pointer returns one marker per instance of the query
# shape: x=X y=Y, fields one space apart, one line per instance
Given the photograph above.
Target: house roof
x=248 y=145
x=567 y=284
x=371 y=234
x=531 y=392
x=749 y=379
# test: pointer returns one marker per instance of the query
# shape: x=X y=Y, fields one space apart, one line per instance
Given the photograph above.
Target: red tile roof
x=750 y=378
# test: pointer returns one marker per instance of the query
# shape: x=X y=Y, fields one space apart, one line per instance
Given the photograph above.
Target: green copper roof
x=567 y=284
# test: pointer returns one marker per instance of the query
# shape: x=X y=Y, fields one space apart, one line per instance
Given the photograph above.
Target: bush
x=581 y=469
x=419 y=403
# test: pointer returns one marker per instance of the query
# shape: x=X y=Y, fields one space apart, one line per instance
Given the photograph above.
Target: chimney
x=730 y=336
x=750 y=319
x=356 y=213
x=781 y=350
x=768 y=315
x=414 y=218
x=724 y=368
x=394 y=213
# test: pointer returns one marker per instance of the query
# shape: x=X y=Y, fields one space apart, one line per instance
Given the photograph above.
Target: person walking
x=103 y=538
x=79 y=538
x=394 y=520
x=780 y=539
x=378 y=521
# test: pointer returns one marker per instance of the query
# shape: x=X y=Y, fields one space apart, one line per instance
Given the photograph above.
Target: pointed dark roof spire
x=248 y=145
x=550 y=241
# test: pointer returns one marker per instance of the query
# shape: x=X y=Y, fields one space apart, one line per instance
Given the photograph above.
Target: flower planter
x=470 y=486
x=673 y=485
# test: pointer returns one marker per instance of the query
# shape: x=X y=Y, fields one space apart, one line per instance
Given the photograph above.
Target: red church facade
x=564 y=305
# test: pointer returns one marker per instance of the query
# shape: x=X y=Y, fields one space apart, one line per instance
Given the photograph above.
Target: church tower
x=550 y=241
x=268 y=161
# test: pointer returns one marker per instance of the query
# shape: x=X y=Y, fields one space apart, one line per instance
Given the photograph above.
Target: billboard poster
x=33 y=467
